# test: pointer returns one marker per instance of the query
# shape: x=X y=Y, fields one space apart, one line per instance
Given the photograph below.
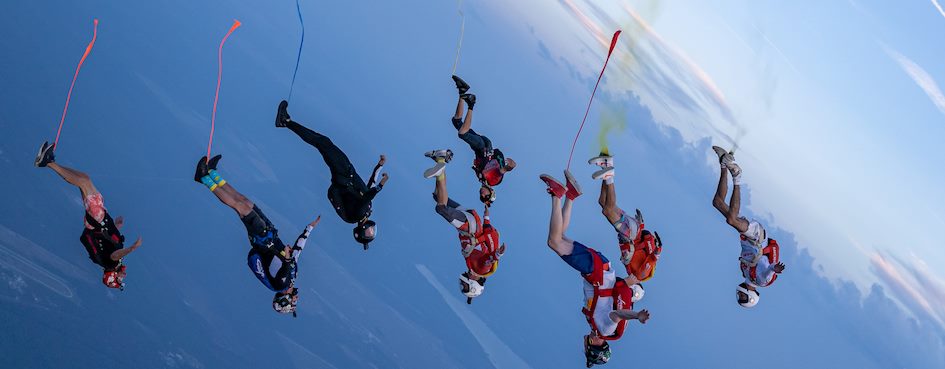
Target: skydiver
x=609 y=299
x=101 y=237
x=760 y=257
x=479 y=240
x=639 y=249
x=348 y=194
x=490 y=164
x=272 y=262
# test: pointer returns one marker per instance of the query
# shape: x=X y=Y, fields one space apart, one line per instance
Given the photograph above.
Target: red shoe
x=574 y=188
x=555 y=188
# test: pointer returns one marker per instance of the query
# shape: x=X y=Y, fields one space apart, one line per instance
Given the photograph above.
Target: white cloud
x=500 y=355
x=939 y=7
x=920 y=76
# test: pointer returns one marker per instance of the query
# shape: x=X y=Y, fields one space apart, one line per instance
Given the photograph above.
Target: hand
x=509 y=164
x=643 y=316
x=382 y=160
x=137 y=244
x=315 y=222
x=384 y=177
x=778 y=268
x=120 y=221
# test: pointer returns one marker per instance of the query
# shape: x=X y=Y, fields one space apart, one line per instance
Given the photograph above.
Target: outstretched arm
x=296 y=250
x=376 y=171
x=768 y=273
x=119 y=254
x=626 y=314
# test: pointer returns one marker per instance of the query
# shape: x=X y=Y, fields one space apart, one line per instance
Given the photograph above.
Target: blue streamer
x=298 y=59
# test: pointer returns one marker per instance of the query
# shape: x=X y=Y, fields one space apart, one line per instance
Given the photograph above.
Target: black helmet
x=596 y=355
x=284 y=302
x=365 y=232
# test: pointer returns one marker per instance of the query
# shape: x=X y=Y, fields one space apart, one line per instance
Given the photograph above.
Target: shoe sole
x=432 y=155
x=552 y=182
x=39 y=155
x=602 y=173
x=434 y=171
x=572 y=183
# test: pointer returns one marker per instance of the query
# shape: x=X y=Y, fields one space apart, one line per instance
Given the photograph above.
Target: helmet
x=637 y=292
x=471 y=287
x=365 y=232
x=285 y=302
x=596 y=355
x=115 y=278
x=490 y=197
x=747 y=298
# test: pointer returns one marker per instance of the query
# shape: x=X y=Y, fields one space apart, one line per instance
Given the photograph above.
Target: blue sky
x=836 y=110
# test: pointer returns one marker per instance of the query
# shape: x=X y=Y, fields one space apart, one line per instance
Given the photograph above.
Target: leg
x=609 y=207
x=235 y=200
x=602 y=200
x=733 y=219
x=557 y=241
x=75 y=178
x=476 y=142
x=566 y=214
x=439 y=192
x=337 y=161
x=458 y=116
x=718 y=201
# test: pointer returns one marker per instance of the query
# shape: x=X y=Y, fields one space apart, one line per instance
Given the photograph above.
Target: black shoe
x=470 y=100
x=282 y=115
x=201 y=169
x=46 y=155
x=212 y=164
x=461 y=85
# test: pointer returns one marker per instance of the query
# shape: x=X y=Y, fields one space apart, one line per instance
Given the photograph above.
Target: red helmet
x=115 y=278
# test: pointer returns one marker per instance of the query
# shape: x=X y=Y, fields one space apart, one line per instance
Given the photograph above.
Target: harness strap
x=596 y=279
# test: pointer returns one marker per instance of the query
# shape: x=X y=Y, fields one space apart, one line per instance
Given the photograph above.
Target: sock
x=216 y=177
x=609 y=180
x=207 y=181
x=737 y=180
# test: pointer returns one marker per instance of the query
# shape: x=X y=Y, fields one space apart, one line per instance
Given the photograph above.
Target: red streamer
x=88 y=49
x=216 y=95
x=613 y=43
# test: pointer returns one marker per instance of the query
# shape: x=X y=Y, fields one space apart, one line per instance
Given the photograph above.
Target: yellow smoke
x=613 y=119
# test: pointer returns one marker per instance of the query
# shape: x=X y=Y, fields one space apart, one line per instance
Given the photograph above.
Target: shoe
x=282 y=115
x=447 y=155
x=461 y=85
x=603 y=161
x=201 y=169
x=555 y=188
x=435 y=171
x=46 y=155
x=734 y=169
x=725 y=157
x=603 y=173
x=573 y=187
x=470 y=100
x=212 y=164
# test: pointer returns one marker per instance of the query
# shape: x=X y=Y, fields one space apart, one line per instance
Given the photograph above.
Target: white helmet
x=470 y=287
x=637 y=292
x=746 y=298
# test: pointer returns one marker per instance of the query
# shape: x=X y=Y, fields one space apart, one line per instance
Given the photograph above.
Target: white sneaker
x=447 y=154
x=603 y=161
x=734 y=169
x=725 y=157
x=604 y=173
x=436 y=170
